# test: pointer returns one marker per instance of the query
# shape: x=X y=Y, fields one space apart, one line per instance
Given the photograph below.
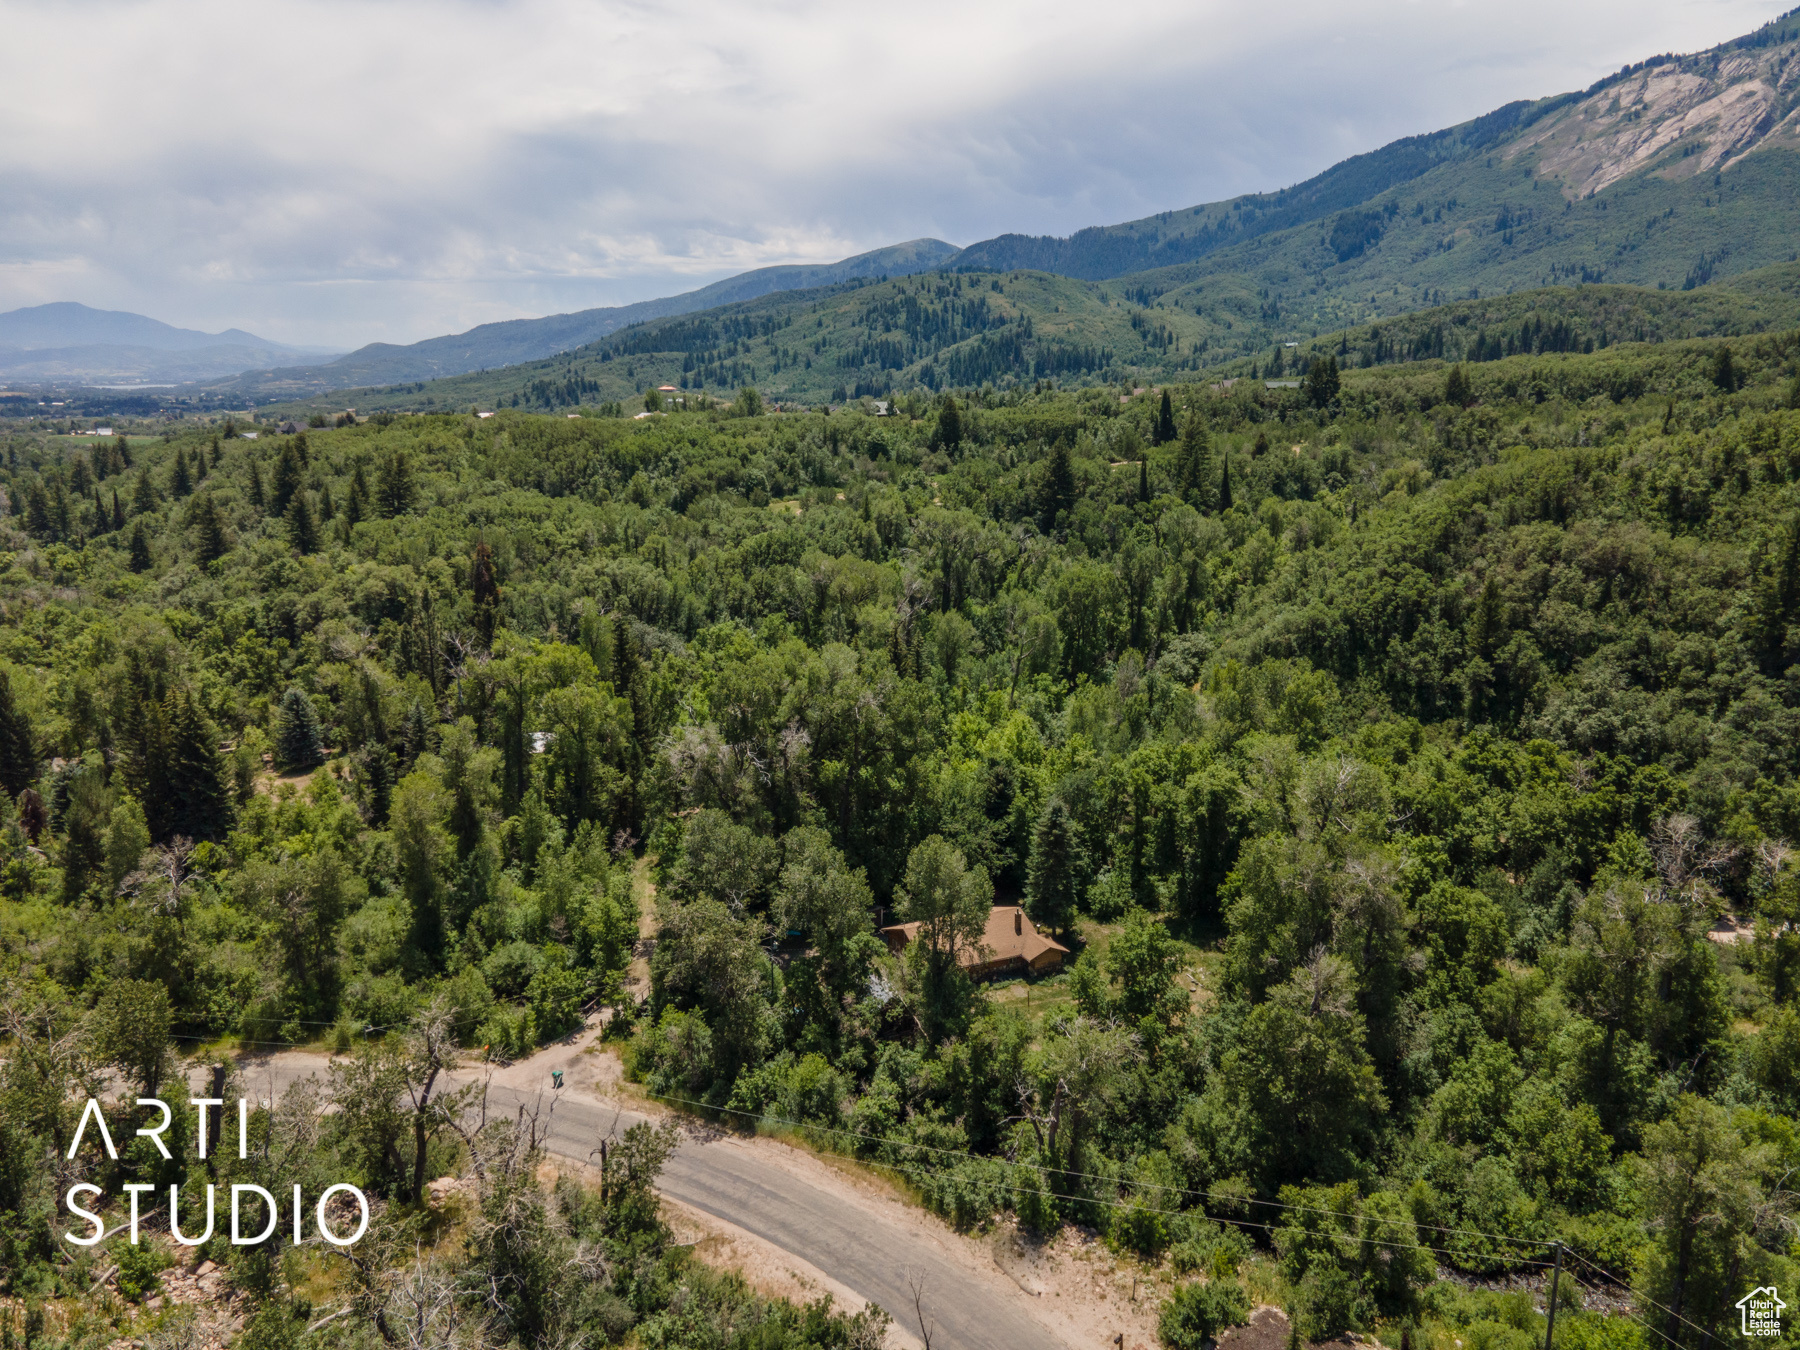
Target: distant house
x=881 y=407
x=1011 y=946
x=288 y=428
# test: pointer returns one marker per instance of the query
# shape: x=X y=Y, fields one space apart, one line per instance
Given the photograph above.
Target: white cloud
x=316 y=170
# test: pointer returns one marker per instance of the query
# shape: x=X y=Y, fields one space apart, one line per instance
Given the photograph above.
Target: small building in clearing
x=1010 y=946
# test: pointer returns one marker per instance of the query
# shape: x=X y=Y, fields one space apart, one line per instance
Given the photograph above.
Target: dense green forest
x=1408 y=757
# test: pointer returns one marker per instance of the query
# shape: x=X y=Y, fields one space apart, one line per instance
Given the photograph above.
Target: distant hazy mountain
x=512 y=341
x=70 y=343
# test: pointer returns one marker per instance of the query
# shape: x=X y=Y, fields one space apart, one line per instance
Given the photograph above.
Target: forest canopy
x=1407 y=758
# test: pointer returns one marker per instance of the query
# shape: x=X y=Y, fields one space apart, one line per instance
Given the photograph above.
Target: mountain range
x=1673 y=174
x=65 y=341
x=1676 y=173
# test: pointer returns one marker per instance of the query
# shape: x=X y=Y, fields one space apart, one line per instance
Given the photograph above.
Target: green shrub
x=1196 y=1313
x=139 y=1264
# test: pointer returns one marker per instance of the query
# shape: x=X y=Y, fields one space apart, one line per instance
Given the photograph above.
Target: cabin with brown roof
x=1011 y=946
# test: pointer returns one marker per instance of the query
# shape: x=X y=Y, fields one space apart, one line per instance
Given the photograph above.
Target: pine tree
x=118 y=512
x=1724 y=372
x=1143 y=480
x=1225 y=486
x=1165 y=422
x=122 y=451
x=1194 y=467
x=327 y=507
x=1778 y=597
x=302 y=450
x=141 y=561
x=1322 y=381
x=37 y=511
x=1059 y=484
x=143 y=500
x=181 y=480
x=299 y=740
x=258 y=498
x=286 y=481
x=1058 y=864
x=1457 y=391
x=375 y=770
x=356 y=506
x=209 y=531
x=397 y=489
x=418 y=733
x=949 y=424
x=197 y=805
x=302 y=531
x=18 y=744
x=486 y=593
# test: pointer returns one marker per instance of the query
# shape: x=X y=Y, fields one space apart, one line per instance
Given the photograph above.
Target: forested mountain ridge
x=1408 y=759
x=912 y=335
x=1673 y=173
x=1669 y=121
x=512 y=341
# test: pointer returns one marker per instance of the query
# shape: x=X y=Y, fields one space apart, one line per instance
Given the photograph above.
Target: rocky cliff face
x=1677 y=119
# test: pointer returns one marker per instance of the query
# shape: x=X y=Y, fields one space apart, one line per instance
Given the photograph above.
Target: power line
x=1652 y=1302
x=1089 y=1176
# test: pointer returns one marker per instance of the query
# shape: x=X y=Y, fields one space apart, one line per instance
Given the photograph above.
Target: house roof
x=1010 y=935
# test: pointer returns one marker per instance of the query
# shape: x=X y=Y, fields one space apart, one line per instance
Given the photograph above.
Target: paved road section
x=876 y=1258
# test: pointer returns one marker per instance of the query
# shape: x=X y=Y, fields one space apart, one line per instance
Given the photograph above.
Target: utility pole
x=1555 y=1279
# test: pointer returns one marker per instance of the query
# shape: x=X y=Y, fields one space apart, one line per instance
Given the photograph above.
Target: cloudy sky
x=336 y=172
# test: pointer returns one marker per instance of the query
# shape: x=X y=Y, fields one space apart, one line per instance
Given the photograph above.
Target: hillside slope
x=964 y=330
x=1671 y=119
x=515 y=340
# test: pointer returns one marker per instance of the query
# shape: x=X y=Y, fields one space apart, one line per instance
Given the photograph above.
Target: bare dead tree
x=916 y=1282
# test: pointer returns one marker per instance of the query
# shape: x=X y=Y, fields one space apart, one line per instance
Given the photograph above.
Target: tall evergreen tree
x=299 y=740
x=209 y=531
x=286 y=481
x=417 y=737
x=327 y=507
x=356 y=506
x=1164 y=431
x=122 y=452
x=258 y=498
x=1725 y=372
x=1323 y=381
x=1225 y=485
x=1194 y=465
x=37 y=511
x=949 y=424
x=397 y=489
x=1458 y=393
x=18 y=743
x=1059 y=484
x=1143 y=480
x=1058 y=866
x=302 y=531
x=181 y=479
x=143 y=500
x=198 y=803
x=486 y=592
x=141 y=561
x=118 y=512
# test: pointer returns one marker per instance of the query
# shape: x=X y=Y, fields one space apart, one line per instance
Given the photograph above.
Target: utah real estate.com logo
x=1761 y=1310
